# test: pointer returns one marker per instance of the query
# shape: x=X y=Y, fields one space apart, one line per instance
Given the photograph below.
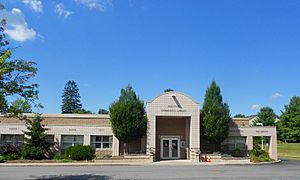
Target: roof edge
x=171 y=92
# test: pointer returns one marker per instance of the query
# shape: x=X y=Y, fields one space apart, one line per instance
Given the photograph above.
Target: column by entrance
x=170 y=148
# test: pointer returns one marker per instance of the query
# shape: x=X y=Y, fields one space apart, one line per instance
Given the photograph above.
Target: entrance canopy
x=173 y=115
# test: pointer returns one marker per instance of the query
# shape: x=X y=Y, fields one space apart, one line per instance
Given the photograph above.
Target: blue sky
x=251 y=48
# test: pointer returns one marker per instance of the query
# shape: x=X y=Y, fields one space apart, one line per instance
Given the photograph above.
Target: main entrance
x=173 y=128
x=170 y=148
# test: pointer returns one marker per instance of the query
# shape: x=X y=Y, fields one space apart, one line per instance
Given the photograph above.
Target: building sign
x=262 y=131
x=174 y=108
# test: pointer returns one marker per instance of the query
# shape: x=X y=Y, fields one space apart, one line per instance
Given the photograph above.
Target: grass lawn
x=289 y=150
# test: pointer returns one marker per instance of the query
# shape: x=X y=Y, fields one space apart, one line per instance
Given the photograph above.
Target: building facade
x=173 y=131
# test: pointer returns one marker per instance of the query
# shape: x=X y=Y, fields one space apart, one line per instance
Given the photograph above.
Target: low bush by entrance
x=259 y=155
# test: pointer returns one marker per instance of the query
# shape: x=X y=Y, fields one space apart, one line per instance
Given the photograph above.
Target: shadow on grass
x=75 y=177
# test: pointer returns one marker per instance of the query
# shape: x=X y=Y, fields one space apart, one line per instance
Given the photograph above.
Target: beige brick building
x=173 y=131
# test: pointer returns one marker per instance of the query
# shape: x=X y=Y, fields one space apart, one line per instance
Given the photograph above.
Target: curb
x=67 y=164
x=135 y=164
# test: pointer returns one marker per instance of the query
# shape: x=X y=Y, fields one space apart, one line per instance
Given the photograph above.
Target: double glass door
x=170 y=148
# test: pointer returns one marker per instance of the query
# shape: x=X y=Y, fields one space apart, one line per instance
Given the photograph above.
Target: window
x=236 y=142
x=101 y=142
x=12 y=139
x=50 y=139
x=71 y=140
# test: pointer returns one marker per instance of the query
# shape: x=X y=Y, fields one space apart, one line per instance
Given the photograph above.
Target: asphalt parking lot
x=287 y=170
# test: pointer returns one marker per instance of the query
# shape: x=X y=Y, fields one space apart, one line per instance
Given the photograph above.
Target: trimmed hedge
x=79 y=152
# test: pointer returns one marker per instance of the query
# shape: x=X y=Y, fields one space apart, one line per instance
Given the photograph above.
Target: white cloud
x=255 y=106
x=61 y=11
x=36 y=5
x=17 y=28
x=101 y=5
x=276 y=95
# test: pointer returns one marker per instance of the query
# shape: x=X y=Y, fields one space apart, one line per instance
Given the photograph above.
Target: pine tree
x=127 y=116
x=70 y=98
x=289 y=124
x=216 y=116
x=36 y=146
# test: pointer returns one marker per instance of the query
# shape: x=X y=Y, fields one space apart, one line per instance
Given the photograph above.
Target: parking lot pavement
x=287 y=170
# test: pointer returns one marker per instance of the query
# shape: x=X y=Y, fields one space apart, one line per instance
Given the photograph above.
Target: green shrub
x=7 y=149
x=37 y=153
x=58 y=157
x=11 y=156
x=237 y=153
x=79 y=152
x=105 y=156
x=259 y=155
x=2 y=159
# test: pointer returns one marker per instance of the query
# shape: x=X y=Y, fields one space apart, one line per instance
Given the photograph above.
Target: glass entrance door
x=170 y=148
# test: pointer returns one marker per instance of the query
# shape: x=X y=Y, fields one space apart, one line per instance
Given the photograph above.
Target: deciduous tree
x=103 y=111
x=20 y=106
x=239 y=116
x=127 y=116
x=266 y=116
x=15 y=74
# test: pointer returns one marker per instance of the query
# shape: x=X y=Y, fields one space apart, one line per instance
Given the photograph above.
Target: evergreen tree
x=289 y=124
x=216 y=116
x=70 y=98
x=36 y=146
x=266 y=116
x=127 y=116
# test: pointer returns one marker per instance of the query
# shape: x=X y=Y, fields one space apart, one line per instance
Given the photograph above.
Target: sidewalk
x=135 y=163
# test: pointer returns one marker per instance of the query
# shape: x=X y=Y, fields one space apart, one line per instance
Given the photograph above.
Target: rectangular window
x=101 y=142
x=12 y=139
x=236 y=142
x=71 y=140
x=50 y=139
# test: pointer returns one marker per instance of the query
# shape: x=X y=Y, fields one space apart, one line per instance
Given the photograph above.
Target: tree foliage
x=239 y=116
x=70 y=98
x=36 y=146
x=216 y=116
x=82 y=111
x=103 y=111
x=168 y=90
x=127 y=116
x=15 y=74
x=266 y=116
x=20 y=106
x=289 y=124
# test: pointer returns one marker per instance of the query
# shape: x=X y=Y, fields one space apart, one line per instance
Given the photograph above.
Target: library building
x=173 y=132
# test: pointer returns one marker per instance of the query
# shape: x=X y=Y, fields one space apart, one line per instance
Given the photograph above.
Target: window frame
x=94 y=142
